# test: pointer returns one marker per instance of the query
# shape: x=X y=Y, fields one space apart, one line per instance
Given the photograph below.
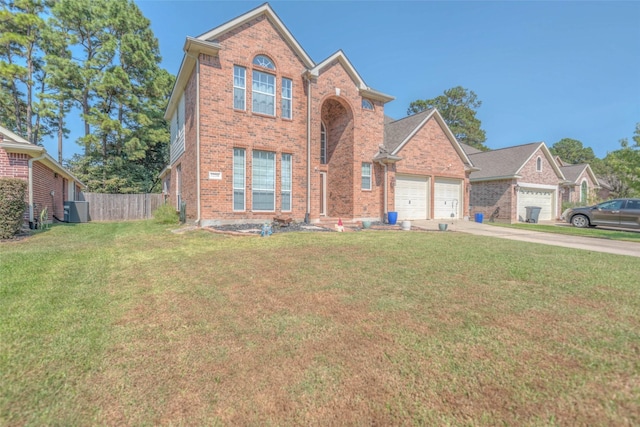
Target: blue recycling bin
x=393 y=217
x=479 y=217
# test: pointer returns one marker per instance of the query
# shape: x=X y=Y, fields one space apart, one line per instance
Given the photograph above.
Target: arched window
x=264 y=87
x=366 y=104
x=264 y=61
x=584 y=191
x=323 y=144
x=539 y=164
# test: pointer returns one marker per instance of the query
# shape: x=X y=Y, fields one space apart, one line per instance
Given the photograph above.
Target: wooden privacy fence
x=122 y=207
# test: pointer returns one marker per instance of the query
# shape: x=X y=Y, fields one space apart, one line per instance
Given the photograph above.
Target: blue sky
x=543 y=70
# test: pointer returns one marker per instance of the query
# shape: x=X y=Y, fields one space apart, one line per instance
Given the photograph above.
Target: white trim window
x=177 y=132
x=539 y=164
x=366 y=104
x=239 y=179
x=323 y=144
x=286 y=182
x=584 y=191
x=366 y=176
x=287 y=97
x=239 y=87
x=264 y=93
x=263 y=181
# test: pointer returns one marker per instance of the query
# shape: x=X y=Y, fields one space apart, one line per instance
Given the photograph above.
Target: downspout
x=198 y=136
x=31 y=160
x=307 y=214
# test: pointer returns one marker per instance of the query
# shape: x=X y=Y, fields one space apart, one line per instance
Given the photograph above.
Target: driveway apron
x=576 y=242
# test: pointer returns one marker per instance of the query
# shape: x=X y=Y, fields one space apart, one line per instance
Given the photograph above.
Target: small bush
x=165 y=214
x=12 y=206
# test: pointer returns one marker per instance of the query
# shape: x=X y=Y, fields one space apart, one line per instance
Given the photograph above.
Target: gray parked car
x=612 y=213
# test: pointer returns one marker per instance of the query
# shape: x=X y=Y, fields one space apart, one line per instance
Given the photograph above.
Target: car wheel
x=580 y=221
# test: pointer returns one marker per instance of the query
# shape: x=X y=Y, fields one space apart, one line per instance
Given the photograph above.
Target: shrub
x=12 y=206
x=165 y=214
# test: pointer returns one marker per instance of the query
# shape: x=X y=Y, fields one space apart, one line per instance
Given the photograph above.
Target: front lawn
x=131 y=324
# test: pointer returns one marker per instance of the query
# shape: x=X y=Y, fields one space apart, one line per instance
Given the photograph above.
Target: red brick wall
x=431 y=153
x=489 y=195
x=14 y=165
x=222 y=128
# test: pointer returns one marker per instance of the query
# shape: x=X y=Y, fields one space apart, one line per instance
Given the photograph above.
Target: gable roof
x=399 y=132
x=355 y=77
x=469 y=149
x=506 y=163
x=266 y=10
x=13 y=143
x=573 y=172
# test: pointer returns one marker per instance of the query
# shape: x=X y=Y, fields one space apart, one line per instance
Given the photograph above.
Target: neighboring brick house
x=49 y=184
x=510 y=179
x=582 y=185
x=258 y=129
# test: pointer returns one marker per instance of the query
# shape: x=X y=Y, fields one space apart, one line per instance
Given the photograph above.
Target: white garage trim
x=412 y=196
x=542 y=196
x=448 y=199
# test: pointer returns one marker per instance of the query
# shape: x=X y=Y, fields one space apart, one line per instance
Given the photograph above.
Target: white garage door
x=411 y=197
x=448 y=198
x=540 y=197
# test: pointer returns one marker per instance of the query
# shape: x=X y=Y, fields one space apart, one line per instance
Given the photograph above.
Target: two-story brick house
x=259 y=129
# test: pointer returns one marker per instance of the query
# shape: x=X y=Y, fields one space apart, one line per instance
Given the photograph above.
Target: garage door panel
x=447 y=198
x=411 y=197
x=542 y=198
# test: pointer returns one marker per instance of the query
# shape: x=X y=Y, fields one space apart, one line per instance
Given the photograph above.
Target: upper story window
x=264 y=93
x=264 y=87
x=239 y=87
x=366 y=104
x=539 y=164
x=264 y=61
x=287 y=95
x=323 y=144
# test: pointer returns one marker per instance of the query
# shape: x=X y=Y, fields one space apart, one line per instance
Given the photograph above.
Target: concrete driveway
x=592 y=244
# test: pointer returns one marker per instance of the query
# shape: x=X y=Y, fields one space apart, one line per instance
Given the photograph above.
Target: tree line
x=96 y=58
x=620 y=168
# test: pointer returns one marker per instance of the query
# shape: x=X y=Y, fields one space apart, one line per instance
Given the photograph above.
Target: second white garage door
x=411 y=197
x=539 y=197
x=448 y=198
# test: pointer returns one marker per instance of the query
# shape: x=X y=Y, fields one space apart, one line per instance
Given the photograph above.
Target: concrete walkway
x=592 y=244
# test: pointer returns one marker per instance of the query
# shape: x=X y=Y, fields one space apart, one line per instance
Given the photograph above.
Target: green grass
x=611 y=234
x=131 y=324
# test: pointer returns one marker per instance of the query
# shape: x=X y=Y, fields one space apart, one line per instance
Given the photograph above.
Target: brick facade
x=45 y=182
x=328 y=93
x=497 y=199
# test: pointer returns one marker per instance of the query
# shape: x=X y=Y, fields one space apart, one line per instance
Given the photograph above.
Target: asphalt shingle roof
x=504 y=162
x=395 y=132
x=573 y=172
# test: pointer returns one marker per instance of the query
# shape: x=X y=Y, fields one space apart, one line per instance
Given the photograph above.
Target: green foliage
x=623 y=166
x=458 y=108
x=12 y=206
x=113 y=78
x=165 y=214
x=571 y=151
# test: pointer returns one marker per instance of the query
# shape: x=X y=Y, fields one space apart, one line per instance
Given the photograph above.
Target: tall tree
x=21 y=72
x=572 y=151
x=122 y=100
x=458 y=108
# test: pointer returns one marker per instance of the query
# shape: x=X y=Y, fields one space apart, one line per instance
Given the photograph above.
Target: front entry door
x=323 y=193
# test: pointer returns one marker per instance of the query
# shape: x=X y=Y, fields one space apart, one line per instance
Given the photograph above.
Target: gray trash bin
x=532 y=213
